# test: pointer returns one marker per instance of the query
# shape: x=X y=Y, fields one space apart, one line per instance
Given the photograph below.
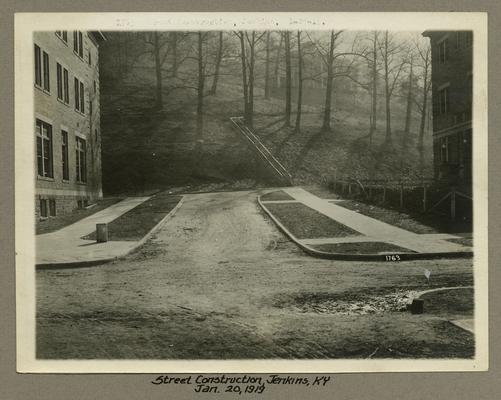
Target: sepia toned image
x=253 y=190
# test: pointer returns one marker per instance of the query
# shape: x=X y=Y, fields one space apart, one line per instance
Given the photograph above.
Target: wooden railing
x=271 y=162
x=378 y=188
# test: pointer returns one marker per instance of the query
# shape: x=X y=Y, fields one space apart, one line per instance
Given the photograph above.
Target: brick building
x=66 y=121
x=452 y=53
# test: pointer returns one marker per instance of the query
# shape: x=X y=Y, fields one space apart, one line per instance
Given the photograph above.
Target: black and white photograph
x=239 y=192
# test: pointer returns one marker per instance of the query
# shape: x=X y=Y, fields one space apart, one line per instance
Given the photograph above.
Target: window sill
x=67 y=181
x=82 y=183
x=61 y=39
x=80 y=112
x=45 y=178
x=63 y=102
x=47 y=92
x=78 y=55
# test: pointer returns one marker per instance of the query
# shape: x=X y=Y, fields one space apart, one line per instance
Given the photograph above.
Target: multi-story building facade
x=67 y=121
x=452 y=56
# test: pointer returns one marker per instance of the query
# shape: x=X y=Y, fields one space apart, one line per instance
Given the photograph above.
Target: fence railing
x=423 y=195
x=264 y=153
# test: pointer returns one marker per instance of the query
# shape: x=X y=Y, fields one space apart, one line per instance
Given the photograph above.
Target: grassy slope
x=144 y=148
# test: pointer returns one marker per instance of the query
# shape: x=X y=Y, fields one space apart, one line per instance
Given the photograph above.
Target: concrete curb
x=90 y=263
x=442 y=289
x=360 y=257
x=419 y=294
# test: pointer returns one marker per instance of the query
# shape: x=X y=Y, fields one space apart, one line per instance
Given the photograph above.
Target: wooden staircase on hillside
x=272 y=165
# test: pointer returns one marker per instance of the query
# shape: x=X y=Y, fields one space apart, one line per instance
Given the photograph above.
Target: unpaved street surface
x=220 y=281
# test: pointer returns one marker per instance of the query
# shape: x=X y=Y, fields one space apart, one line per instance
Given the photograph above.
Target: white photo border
x=28 y=23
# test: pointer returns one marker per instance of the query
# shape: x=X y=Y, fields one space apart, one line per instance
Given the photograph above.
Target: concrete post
x=101 y=233
x=417 y=306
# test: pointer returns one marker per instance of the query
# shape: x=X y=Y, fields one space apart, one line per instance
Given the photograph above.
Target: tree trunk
x=174 y=54
x=277 y=63
x=200 y=91
x=373 y=126
x=326 y=126
x=408 y=112
x=288 y=80
x=250 y=118
x=158 y=70
x=299 y=83
x=267 y=68
x=387 y=89
x=219 y=56
x=423 y=116
x=244 y=74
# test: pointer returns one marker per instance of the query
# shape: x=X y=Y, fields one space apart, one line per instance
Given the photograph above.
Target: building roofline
x=98 y=36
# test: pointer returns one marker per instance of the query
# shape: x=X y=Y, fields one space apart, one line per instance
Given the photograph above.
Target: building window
x=443 y=96
x=59 y=75
x=444 y=150
x=43 y=208
x=78 y=43
x=467 y=148
x=79 y=96
x=459 y=37
x=42 y=73
x=82 y=98
x=64 y=154
x=63 y=35
x=66 y=86
x=81 y=166
x=44 y=149
x=443 y=51
x=46 y=72
x=52 y=207
x=62 y=83
x=38 y=66
x=468 y=39
x=90 y=58
x=95 y=87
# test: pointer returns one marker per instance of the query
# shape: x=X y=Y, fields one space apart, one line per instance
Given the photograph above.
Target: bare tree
x=219 y=56
x=326 y=125
x=410 y=96
x=424 y=64
x=373 y=88
x=248 y=43
x=158 y=69
x=267 y=66
x=277 y=60
x=393 y=64
x=288 y=79
x=297 y=127
x=201 y=85
x=174 y=44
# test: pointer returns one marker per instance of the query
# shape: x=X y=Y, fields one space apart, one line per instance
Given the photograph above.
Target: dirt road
x=220 y=281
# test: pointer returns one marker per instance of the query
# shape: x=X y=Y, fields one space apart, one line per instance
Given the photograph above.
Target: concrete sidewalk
x=65 y=246
x=373 y=228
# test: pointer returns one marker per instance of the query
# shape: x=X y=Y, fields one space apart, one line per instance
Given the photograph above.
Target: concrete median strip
x=66 y=248
x=371 y=231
